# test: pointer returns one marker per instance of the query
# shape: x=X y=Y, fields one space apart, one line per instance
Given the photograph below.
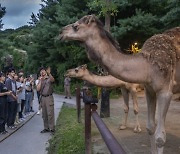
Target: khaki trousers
x=47 y=104
x=67 y=91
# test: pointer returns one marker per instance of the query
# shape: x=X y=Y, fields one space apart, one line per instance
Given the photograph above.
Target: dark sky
x=18 y=12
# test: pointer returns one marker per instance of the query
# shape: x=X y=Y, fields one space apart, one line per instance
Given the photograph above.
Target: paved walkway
x=27 y=139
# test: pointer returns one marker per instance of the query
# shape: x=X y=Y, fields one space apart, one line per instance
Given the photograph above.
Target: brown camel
x=109 y=81
x=155 y=66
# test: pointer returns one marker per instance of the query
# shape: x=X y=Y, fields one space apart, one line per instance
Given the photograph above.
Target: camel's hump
x=161 y=51
x=174 y=33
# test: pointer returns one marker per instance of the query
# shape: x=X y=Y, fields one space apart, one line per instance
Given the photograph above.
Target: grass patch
x=69 y=136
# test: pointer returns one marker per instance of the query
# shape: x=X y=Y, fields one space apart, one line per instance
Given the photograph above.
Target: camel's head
x=82 y=29
x=77 y=72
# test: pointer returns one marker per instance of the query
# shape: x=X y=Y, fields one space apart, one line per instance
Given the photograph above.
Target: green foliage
x=14 y=42
x=135 y=28
x=136 y=21
x=132 y=21
x=172 y=16
x=46 y=49
x=2 y=13
x=104 y=7
x=69 y=138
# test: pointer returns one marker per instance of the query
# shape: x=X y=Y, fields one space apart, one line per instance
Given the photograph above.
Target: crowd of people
x=16 y=99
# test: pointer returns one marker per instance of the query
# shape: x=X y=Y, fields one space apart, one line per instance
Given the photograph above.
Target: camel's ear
x=84 y=66
x=89 y=19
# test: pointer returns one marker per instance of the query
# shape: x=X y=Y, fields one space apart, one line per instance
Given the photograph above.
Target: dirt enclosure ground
x=134 y=143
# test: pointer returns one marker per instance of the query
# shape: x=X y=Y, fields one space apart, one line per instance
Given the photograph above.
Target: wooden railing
x=90 y=108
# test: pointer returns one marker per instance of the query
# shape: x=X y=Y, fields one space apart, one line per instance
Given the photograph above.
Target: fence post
x=78 y=103
x=105 y=103
x=111 y=142
x=88 y=128
x=88 y=100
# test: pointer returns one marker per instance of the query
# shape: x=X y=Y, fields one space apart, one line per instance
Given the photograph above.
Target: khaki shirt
x=46 y=87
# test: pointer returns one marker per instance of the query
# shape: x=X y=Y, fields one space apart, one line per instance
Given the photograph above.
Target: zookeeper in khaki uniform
x=46 y=99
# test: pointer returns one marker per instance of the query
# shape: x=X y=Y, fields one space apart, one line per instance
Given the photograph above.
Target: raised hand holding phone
x=48 y=70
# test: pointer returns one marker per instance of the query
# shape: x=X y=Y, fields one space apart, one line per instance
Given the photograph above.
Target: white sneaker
x=38 y=113
x=23 y=119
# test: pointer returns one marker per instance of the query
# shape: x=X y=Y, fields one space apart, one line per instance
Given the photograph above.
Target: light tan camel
x=155 y=66
x=109 y=81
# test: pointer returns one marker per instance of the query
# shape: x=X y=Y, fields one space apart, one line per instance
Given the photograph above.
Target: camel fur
x=109 y=81
x=156 y=67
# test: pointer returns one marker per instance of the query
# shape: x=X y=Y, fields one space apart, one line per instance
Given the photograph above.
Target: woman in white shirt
x=21 y=96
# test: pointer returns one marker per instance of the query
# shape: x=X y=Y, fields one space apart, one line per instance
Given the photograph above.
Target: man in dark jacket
x=3 y=103
x=12 y=99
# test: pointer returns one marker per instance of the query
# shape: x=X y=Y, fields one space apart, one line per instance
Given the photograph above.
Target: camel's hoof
x=136 y=111
x=160 y=142
x=150 y=131
x=137 y=130
x=122 y=127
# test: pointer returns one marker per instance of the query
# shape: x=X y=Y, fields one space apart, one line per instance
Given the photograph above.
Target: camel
x=109 y=81
x=155 y=67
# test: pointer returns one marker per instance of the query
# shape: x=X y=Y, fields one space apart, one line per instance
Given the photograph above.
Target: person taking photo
x=46 y=99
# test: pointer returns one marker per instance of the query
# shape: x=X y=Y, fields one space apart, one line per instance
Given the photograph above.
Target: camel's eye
x=75 y=27
x=76 y=70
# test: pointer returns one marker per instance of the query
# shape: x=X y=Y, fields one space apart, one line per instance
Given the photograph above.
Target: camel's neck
x=129 y=68
x=103 y=81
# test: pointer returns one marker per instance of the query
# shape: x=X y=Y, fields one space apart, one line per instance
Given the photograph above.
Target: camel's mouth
x=68 y=74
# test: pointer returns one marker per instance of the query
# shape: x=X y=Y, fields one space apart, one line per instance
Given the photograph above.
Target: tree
x=172 y=15
x=107 y=8
x=136 y=21
x=130 y=21
x=44 y=49
x=2 y=13
x=34 y=19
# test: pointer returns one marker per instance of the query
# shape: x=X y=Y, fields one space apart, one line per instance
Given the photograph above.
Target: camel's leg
x=163 y=102
x=125 y=95
x=137 y=128
x=151 y=108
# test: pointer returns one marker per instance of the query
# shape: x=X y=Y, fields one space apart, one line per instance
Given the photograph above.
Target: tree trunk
x=107 y=22
x=105 y=101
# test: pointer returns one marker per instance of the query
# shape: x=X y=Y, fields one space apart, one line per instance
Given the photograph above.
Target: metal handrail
x=111 y=142
x=90 y=110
